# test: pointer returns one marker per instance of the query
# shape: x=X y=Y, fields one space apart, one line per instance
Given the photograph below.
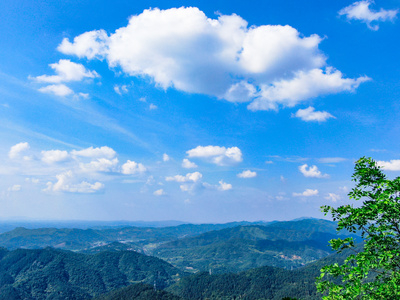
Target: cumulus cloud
x=101 y=165
x=391 y=165
x=218 y=155
x=360 y=11
x=333 y=197
x=91 y=152
x=312 y=171
x=269 y=66
x=193 y=177
x=306 y=193
x=159 y=192
x=57 y=89
x=187 y=164
x=54 y=156
x=131 y=168
x=165 y=157
x=79 y=173
x=17 y=149
x=222 y=186
x=247 y=174
x=303 y=85
x=66 y=183
x=67 y=71
x=310 y=115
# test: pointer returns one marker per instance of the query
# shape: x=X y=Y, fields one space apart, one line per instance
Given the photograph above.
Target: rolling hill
x=281 y=244
x=55 y=274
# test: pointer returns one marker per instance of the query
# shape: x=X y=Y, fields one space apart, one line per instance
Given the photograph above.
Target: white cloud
x=152 y=106
x=131 y=168
x=218 y=155
x=222 y=186
x=121 y=89
x=53 y=156
x=360 y=11
x=271 y=65
x=91 y=152
x=89 y=44
x=165 y=157
x=67 y=71
x=159 y=192
x=331 y=160
x=82 y=95
x=66 y=183
x=333 y=197
x=310 y=115
x=194 y=177
x=306 y=193
x=17 y=149
x=312 y=171
x=247 y=174
x=391 y=165
x=303 y=85
x=14 y=188
x=187 y=164
x=57 y=89
x=100 y=165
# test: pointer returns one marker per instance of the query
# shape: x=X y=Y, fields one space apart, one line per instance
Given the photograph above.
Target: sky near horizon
x=199 y=111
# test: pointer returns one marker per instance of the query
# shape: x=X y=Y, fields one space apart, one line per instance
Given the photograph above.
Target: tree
x=374 y=271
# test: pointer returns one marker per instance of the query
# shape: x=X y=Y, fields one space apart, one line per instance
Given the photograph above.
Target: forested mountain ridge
x=281 y=244
x=259 y=283
x=55 y=274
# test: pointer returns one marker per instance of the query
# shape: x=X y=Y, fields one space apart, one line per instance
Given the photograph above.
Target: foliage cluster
x=374 y=271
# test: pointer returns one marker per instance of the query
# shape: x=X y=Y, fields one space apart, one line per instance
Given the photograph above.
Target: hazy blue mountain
x=82 y=239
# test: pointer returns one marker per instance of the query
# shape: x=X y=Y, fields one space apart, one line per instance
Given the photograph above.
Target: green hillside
x=55 y=274
x=138 y=291
x=259 y=283
x=281 y=244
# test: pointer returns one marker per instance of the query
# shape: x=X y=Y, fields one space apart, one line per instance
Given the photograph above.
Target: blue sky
x=200 y=111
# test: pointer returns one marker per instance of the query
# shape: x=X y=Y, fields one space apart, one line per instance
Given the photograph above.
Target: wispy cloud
x=360 y=11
